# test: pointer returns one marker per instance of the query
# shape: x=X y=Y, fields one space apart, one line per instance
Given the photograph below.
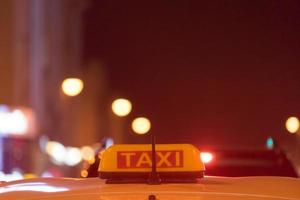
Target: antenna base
x=154 y=179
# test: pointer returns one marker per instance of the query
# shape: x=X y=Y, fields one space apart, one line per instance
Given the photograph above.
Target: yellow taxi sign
x=125 y=160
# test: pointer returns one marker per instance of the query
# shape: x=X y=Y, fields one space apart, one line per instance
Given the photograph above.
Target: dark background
x=220 y=73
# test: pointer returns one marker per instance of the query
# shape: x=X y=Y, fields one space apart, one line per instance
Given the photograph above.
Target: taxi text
x=142 y=159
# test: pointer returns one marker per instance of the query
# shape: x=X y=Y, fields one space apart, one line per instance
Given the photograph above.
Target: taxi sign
x=135 y=160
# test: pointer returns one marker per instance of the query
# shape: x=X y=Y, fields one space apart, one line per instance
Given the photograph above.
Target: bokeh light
x=50 y=147
x=109 y=142
x=43 y=141
x=206 y=157
x=47 y=174
x=84 y=173
x=292 y=124
x=121 y=107
x=72 y=86
x=13 y=122
x=87 y=153
x=270 y=143
x=73 y=156
x=14 y=176
x=91 y=161
x=57 y=151
x=29 y=176
x=141 y=125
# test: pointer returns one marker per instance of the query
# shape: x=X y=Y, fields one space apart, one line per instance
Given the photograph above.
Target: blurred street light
x=141 y=125
x=73 y=156
x=84 y=173
x=292 y=124
x=72 y=86
x=70 y=156
x=87 y=153
x=57 y=151
x=14 y=122
x=121 y=107
x=15 y=175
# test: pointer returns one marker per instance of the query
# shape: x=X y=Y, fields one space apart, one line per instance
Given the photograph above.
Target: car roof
x=207 y=187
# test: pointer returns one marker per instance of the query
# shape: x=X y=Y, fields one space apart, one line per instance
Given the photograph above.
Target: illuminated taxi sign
x=142 y=159
x=172 y=160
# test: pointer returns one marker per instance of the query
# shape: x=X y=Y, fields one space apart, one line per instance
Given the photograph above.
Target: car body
x=250 y=163
x=210 y=188
x=153 y=172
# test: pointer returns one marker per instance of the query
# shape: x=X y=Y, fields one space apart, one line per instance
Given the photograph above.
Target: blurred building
x=40 y=45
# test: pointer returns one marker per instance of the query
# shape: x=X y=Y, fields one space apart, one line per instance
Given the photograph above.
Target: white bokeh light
x=292 y=124
x=73 y=156
x=72 y=86
x=141 y=125
x=121 y=107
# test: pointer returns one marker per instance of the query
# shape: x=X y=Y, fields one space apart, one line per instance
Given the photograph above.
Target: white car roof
x=207 y=188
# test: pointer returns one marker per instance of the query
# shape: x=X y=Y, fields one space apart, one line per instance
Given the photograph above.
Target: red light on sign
x=142 y=159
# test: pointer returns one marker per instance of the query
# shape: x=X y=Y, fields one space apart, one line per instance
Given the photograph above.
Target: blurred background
x=77 y=76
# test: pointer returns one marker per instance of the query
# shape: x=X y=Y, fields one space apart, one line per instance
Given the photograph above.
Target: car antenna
x=153 y=178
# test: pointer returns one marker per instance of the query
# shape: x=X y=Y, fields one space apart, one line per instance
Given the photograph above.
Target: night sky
x=212 y=73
